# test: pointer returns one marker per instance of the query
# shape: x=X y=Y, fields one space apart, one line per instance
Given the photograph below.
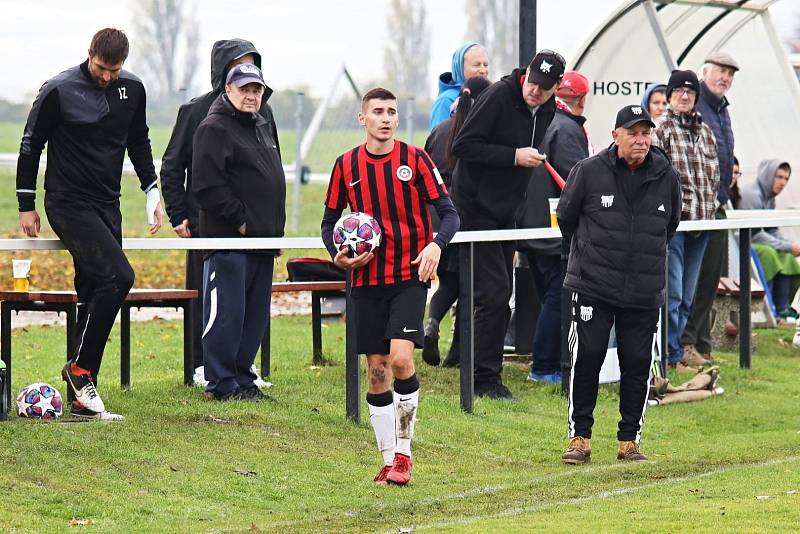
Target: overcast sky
x=301 y=41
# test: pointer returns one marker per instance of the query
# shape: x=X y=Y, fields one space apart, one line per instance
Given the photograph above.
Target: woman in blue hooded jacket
x=469 y=60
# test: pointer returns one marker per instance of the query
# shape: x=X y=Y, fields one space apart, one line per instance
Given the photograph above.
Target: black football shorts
x=391 y=313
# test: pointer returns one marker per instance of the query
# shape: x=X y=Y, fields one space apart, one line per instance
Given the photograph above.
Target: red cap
x=573 y=84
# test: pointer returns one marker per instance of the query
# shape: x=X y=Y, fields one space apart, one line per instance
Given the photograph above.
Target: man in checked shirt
x=692 y=149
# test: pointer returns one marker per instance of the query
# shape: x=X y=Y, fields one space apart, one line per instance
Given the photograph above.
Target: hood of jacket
x=447 y=83
x=649 y=91
x=225 y=51
x=765 y=178
x=457 y=64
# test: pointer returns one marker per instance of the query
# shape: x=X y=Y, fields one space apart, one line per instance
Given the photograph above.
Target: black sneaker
x=453 y=358
x=430 y=348
x=498 y=392
x=254 y=394
x=236 y=394
x=81 y=382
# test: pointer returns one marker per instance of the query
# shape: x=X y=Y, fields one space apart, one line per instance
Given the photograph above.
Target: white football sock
x=382 y=420
x=405 y=407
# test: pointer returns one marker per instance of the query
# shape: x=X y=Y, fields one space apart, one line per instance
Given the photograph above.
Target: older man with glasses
x=692 y=150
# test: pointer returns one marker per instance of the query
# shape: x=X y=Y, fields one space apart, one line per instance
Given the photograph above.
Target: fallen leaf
x=245 y=472
x=254 y=528
x=173 y=468
x=763 y=497
x=80 y=522
x=405 y=530
x=314 y=367
x=792 y=492
x=217 y=419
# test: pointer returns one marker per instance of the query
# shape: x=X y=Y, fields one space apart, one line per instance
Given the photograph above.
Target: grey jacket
x=759 y=196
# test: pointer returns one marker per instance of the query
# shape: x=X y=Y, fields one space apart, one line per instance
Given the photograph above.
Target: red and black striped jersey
x=395 y=190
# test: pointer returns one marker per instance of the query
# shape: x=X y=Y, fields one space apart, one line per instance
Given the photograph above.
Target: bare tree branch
x=405 y=56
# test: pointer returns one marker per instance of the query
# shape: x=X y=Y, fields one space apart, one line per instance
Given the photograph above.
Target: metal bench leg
x=316 y=326
x=265 y=356
x=188 y=335
x=5 y=347
x=125 y=347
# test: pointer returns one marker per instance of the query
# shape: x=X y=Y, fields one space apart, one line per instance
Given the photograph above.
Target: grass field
x=729 y=464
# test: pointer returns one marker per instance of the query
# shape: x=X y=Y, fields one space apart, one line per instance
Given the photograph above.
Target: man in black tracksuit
x=176 y=172
x=619 y=209
x=89 y=116
x=241 y=192
x=496 y=151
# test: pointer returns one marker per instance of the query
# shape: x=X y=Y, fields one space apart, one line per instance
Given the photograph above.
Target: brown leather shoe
x=692 y=357
x=579 y=451
x=629 y=452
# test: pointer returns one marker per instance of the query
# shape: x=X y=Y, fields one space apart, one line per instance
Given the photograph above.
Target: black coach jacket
x=238 y=175
x=488 y=189
x=618 y=247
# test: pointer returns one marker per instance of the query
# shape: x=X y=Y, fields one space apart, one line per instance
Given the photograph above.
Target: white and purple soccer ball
x=40 y=401
x=358 y=231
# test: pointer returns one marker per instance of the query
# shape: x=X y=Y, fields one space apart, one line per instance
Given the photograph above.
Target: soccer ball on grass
x=39 y=401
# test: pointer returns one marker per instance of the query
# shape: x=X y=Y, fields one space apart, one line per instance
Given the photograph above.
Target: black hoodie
x=176 y=166
x=488 y=188
x=238 y=175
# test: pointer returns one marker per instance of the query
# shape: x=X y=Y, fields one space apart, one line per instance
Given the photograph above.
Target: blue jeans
x=546 y=271
x=684 y=259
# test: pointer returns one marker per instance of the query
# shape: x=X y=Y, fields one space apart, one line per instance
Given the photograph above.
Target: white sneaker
x=796 y=339
x=82 y=386
x=81 y=412
x=259 y=382
x=200 y=377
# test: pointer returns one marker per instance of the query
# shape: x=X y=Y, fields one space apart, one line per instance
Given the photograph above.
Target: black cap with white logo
x=546 y=69
x=630 y=115
x=243 y=74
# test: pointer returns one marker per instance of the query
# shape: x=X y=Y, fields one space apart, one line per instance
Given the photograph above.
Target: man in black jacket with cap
x=176 y=174
x=497 y=152
x=619 y=209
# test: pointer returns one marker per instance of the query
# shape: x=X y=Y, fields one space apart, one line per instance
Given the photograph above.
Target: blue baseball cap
x=241 y=75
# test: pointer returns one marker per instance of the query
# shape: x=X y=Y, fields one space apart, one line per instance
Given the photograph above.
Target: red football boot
x=400 y=473
x=380 y=478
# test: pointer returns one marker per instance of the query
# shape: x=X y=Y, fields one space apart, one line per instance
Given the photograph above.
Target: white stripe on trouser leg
x=213 y=314
x=653 y=353
x=572 y=342
x=83 y=334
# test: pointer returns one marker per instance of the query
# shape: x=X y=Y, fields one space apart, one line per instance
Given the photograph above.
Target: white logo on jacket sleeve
x=438 y=176
x=661 y=208
x=606 y=200
x=404 y=173
x=586 y=313
x=545 y=66
x=122 y=93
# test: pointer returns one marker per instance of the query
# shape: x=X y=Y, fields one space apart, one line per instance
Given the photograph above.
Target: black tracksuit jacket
x=87 y=129
x=176 y=165
x=488 y=189
x=619 y=245
x=238 y=176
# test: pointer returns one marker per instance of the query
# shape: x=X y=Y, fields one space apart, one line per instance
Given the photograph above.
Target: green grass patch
x=171 y=466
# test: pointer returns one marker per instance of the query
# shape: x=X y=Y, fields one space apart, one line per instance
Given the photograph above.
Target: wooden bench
x=319 y=291
x=66 y=301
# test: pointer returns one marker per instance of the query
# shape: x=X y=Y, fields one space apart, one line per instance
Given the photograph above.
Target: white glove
x=153 y=200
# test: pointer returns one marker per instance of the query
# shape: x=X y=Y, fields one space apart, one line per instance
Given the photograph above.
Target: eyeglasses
x=559 y=57
x=685 y=91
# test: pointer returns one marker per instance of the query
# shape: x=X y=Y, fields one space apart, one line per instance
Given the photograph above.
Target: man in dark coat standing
x=497 y=152
x=176 y=175
x=618 y=210
x=565 y=144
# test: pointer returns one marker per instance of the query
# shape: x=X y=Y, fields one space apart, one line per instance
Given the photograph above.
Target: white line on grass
x=603 y=494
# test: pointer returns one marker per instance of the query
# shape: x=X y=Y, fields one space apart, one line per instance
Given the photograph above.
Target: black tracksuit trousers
x=92 y=232
x=589 y=330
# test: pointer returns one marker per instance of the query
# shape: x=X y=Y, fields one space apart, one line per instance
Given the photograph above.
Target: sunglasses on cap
x=559 y=57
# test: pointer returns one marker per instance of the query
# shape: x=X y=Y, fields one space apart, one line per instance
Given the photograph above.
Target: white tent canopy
x=643 y=40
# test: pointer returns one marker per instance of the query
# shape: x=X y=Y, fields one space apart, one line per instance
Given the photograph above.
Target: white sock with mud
x=382 y=419
x=406 y=400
